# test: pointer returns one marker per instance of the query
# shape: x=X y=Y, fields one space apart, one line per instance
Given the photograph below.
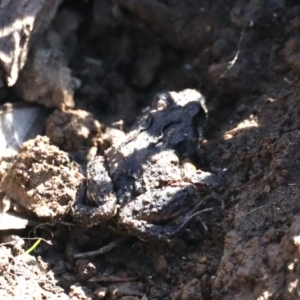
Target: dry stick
x=255 y=209
x=101 y=250
x=112 y=279
x=39 y=238
x=231 y=63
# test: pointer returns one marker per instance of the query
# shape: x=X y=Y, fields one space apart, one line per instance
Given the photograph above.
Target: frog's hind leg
x=100 y=193
x=158 y=215
x=152 y=232
x=149 y=232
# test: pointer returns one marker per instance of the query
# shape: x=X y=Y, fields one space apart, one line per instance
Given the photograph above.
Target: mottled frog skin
x=141 y=182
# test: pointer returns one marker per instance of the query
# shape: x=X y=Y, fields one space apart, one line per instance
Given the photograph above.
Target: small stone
x=203 y=260
x=101 y=292
x=267 y=188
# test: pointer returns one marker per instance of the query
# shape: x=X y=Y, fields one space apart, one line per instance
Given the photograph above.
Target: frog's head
x=180 y=117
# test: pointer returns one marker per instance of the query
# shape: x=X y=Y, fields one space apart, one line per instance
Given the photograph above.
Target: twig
x=107 y=278
x=255 y=209
x=101 y=250
x=231 y=63
x=38 y=238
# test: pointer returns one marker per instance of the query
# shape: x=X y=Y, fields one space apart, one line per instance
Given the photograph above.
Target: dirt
x=43 y=180
x=244 y=58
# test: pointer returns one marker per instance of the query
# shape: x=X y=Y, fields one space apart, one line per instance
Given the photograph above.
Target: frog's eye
x=161 y=104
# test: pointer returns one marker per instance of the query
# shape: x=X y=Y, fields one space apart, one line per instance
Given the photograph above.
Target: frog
x=141 y=182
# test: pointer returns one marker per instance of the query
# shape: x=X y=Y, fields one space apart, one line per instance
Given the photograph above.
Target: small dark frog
x=142 y=182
